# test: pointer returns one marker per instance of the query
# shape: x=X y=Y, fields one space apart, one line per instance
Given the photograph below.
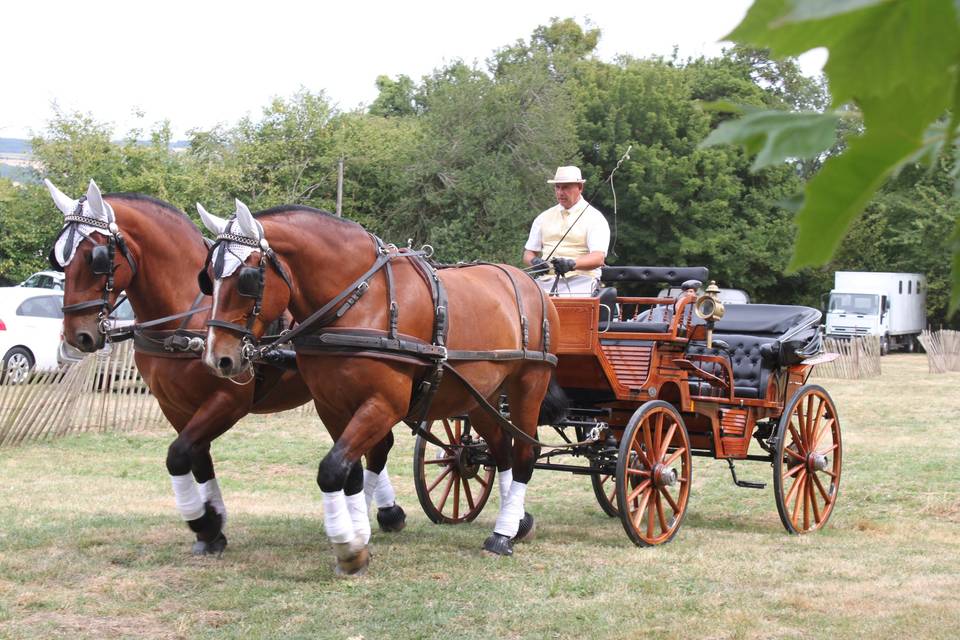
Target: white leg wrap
x=359 y=516
x=370 y=480
x=511 y=511
x=187 y=496
x=506 y=479
x=336 y=517
x=384 y=495
x=210 y=492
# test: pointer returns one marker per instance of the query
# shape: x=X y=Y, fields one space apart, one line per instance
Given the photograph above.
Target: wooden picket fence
x=943 y=350
x=859 y=358
x=102 y=392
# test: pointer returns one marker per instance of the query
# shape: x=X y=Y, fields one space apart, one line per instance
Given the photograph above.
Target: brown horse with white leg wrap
x=152 y=251
x=384 y=336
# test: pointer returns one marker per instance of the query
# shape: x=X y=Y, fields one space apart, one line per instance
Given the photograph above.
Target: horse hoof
x=214 y=548
x=391 y=518
x=352 y=558
x=527 y=528
x=498 y=545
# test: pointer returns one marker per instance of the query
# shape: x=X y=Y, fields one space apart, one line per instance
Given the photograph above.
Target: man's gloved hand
x=538 y=267
x=563 y=265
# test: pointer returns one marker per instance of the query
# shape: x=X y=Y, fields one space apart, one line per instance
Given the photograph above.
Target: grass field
x=91 y=546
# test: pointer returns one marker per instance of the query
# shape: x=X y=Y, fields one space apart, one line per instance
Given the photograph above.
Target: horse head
x=249 y=285
x=96 y=262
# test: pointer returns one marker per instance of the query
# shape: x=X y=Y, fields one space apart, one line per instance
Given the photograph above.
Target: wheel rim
x=18 y=368
x=451 y=487
x=653 y=475
x=809 y=461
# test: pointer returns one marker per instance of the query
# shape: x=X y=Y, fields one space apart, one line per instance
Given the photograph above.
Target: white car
x=31 y=320
x=44 y=280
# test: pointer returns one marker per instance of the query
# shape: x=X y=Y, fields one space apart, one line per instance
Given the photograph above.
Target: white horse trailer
x=892 y=306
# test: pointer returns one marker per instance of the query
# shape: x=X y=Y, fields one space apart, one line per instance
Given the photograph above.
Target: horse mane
x=300 y=208
x=163 y=207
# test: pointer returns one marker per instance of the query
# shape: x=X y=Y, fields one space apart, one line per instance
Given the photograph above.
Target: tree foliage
x=459 y=158
x=897 y=62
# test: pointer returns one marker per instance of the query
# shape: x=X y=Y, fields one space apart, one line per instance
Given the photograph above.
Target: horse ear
x=65 y=203
x=248 y=225
x=213 y=223
x=100 y=208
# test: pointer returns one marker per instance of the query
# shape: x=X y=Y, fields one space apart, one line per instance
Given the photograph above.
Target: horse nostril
x=85 y=341
x=225 y=364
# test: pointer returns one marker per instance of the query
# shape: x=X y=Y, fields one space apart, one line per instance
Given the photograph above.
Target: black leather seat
x=751 y=367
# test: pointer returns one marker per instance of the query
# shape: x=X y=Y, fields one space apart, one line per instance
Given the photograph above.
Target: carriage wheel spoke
x=437 y=480
x=805 y=494
x=801 y=421
x=456 y=497
x=793 y=454
x=458 y=430
x=674 y=456
x=446 y=427
x=796 y=440
x=637 y=515
x=469 y=494
x=660 y=516
x=657 y=434
x=823 y=492
x=483 y=483
x=799 y=484
x=643 y=473
x=813 y=502
x=793 y=470
x=446 y=494
x=795 y=485
x=673 y=503
x=666 y=441
x=809 y=430
x=651 y=508
x=643 y=486
x=833 y=447
x=438 y=460
x=648 y=443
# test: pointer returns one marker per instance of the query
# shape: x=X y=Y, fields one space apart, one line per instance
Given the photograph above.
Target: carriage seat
x=758 y=339
x=608 y=301
x=749 y=360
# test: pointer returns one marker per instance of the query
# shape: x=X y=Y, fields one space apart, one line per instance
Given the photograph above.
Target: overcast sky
x=198 y=63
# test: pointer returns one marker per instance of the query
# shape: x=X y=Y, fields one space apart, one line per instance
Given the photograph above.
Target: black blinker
x=250 y=283
x=52 y=258
x=100 y=260
x=206 y=285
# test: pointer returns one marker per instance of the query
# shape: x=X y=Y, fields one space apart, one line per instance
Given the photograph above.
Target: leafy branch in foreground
x=898 y=61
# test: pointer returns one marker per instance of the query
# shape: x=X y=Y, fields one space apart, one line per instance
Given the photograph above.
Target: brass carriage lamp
x=709 y=308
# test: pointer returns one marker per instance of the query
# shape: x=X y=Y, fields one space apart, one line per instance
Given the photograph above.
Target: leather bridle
x=102 y=260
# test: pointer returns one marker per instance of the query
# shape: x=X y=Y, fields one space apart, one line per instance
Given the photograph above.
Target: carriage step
x=746 y=484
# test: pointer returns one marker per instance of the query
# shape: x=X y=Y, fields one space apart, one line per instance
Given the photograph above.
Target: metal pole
x=340 y=187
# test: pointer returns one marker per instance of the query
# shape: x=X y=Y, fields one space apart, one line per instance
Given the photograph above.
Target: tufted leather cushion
x=654 y=275
x=751 y=370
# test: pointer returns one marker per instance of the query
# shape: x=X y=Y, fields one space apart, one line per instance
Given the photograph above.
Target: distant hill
x=14 y=145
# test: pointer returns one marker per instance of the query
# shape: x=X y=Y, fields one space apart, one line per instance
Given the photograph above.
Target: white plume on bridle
x=242 y=223
x=94 y=207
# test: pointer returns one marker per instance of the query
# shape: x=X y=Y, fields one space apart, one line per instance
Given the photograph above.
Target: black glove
x=538 y=267
x=563 y=265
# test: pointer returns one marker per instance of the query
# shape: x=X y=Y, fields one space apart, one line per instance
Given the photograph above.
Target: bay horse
x=152 y=251
x=356 y=300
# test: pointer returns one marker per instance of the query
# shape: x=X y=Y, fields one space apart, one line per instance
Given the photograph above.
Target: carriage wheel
x=451 y=487
x=605 y=489
x=653 y=474
x=806 y=467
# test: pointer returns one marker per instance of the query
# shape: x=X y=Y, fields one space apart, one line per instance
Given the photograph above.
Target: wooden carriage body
x=617 y=365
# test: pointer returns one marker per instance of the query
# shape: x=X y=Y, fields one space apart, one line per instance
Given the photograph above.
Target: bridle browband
x=102 y=260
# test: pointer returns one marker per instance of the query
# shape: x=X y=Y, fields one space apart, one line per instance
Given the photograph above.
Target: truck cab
x=889 y=305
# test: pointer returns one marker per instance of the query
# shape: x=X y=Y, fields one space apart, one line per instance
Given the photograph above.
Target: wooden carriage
x=652 y=383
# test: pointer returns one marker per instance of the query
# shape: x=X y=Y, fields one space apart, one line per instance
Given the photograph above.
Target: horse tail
x=555 y=403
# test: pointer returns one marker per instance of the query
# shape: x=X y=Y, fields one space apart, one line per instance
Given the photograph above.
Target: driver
x=571 y=237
